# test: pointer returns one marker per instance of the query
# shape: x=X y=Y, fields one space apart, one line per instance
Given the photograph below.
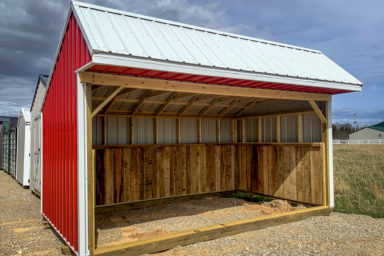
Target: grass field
x=359 y=179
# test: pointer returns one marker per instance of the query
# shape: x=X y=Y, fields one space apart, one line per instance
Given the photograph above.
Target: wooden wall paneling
x=109 y=176
x=188 y=170
x=316 y=175
x=118 y=175
x=300 y=173
x=100 y=177
x=290 y=177
x=126 y=174
x=155 y=170
x=217 y=168
x=160 y=167
x=167 y=170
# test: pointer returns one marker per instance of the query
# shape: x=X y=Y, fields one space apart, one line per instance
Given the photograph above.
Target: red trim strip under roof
x=211 y=80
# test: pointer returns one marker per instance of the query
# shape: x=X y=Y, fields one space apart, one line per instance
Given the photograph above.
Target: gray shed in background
x=35 y=176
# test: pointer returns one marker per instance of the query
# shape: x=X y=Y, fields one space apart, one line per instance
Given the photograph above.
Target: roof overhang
x=134 y=62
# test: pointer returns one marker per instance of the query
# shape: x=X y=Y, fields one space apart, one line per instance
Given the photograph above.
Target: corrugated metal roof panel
x=128 y=34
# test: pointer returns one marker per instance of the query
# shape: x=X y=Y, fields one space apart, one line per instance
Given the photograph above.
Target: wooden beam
x=189 y=105
x=178 y=131
x=230 y=106
x=300 y=128
x=146 y=95
x=278 y=129
x=200 y=88
x=174 y=102
x=116 y=98
x=207 y=108
x=318 y=112
x=106 y=101
x=172 y=240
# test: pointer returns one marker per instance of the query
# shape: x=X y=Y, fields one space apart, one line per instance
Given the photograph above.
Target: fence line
x=372 y=141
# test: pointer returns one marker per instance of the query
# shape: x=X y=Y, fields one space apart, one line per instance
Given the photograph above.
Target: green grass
x=359 y=179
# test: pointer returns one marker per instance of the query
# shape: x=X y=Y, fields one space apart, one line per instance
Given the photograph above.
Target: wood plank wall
x=142 y=172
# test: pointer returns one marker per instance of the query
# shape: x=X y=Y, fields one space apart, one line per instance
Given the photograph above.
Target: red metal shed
x=105 y=47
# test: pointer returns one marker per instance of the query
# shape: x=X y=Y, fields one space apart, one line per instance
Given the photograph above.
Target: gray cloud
x=349 y=32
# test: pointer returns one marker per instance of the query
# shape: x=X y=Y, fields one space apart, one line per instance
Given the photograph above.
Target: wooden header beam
x=200 y=88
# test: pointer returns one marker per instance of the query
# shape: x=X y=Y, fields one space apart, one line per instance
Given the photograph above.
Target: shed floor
x=149 y=222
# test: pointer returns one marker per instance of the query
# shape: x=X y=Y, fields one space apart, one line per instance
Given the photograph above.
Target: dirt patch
x=150 y=222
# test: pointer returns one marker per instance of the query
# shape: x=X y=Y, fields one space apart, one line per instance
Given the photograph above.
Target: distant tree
x=342 y=131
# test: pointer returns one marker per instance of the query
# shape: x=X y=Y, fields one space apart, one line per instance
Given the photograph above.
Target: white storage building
x=23 y=147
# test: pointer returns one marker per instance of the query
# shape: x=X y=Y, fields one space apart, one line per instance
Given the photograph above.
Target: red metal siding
x=210 y=79
x=60 y=137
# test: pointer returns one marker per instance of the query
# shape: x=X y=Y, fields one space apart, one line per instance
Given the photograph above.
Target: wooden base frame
x=211 y=232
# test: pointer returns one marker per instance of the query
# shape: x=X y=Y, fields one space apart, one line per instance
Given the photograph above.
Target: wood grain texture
x=145 y=172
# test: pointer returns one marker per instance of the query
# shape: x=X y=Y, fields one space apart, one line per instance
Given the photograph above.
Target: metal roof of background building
x=125 y=34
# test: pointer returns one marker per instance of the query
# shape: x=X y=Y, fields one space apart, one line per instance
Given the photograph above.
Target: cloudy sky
x=349 y=32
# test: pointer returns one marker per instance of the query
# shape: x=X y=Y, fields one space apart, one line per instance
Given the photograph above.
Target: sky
x=350 y=32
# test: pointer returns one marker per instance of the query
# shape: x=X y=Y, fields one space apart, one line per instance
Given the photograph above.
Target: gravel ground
x=22 y=233
x=149 y=222
x=21 y=226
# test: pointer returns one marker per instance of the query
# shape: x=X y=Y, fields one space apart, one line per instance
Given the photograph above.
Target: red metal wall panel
x=59 y=193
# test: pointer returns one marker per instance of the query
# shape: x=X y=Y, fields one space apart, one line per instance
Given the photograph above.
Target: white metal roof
x=120 y=35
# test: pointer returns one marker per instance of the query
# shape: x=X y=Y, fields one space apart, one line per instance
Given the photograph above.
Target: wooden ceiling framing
x=132 y=100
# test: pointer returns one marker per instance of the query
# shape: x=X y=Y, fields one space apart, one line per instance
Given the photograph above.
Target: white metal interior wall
x=269 y=129
x=225 y=131
x=311 y=128
x=118 y=130
x=208 y=131
x=288 y=128
x=189 y=130
x=252 y=130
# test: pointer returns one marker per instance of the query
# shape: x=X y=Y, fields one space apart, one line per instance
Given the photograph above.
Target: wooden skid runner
x=144 y=172
x=211 y=232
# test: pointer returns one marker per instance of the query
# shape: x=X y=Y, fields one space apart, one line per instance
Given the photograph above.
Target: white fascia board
x=117 y=60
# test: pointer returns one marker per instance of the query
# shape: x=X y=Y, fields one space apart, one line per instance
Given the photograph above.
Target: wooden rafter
x=169 y=101
x=189 y=105
x=125 y=90
x=146 y=95
x=207 y=108
x=229 y=107
x=249 y=106
x=107 y=100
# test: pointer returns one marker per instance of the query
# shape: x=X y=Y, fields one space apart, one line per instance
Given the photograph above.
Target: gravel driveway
x=22 y=233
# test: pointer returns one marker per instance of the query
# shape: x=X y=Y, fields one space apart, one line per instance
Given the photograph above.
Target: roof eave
x=103 y=58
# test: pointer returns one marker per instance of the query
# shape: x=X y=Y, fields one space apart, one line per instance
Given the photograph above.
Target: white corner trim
x=41 y=163
x=330 y=155
x=82 y=168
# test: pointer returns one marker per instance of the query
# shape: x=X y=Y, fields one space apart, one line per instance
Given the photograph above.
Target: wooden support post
x=178 y=131
x=278 y=129
x=234 y=131
x=300 y=128
x=199 y=129
x=90 y=173
x=260 y=135
x=156 y=131
x=131 y=130
x=243 y=139
x=218 y=131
